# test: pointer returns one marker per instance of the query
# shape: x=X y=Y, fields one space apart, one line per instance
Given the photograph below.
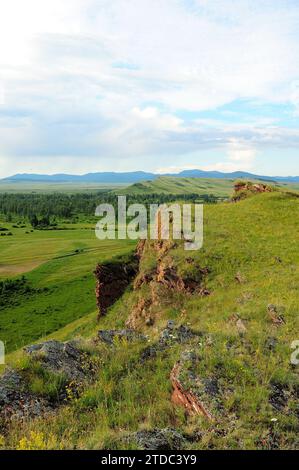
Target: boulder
x=16 y=402
x=64 y=358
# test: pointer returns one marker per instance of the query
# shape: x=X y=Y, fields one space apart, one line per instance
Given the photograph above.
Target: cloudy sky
x=97 y=85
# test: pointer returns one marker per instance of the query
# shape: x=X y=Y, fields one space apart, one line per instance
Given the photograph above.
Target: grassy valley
x=57 y=266
x=43 y=187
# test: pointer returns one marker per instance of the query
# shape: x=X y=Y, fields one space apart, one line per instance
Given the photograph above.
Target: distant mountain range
x=136 y=176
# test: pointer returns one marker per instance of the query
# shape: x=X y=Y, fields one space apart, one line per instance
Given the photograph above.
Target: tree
x=34 y=221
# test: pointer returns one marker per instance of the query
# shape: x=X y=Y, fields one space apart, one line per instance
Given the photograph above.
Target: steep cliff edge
x=162 y=280
x=112 y=279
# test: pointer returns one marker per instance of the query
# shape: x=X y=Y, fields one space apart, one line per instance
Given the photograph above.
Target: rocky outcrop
x=16 y=402
x=252 y=187
x=64 y=358
x=185 y=397
x=112 y=279
x=167 y=275
x=197 y=395
x=245 y=188
x=163 y=281
x=284 y=398
x=172 y=334
x=237 y=321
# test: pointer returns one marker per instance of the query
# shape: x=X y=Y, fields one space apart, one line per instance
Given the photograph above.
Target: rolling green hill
x=221 y=188
x=178 y=185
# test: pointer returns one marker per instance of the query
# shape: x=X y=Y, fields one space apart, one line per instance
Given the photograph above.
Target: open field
x=58 y=268
x=291 y=186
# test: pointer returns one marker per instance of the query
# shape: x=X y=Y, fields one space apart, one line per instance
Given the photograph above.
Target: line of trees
x=40 y=208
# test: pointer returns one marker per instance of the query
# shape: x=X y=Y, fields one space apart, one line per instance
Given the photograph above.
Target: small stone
x=171 y=324
x=271 y=343
x=188 y=356
x=239 y=278
x=273 y=312
x=241 y=327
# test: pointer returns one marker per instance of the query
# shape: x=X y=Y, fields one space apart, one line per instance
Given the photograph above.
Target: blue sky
x=100 y=85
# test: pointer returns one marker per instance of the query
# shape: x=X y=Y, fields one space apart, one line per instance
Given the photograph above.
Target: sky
x=155 y=85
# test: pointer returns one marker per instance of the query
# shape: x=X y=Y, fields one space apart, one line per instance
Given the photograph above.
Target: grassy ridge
x=173 y=185
x=257 y=239
x=222 y=188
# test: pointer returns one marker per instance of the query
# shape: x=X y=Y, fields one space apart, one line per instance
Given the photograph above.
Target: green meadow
x=58 y=268
x=39 y=187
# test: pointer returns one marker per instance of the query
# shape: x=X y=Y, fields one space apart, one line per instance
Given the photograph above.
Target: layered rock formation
x=112 y=279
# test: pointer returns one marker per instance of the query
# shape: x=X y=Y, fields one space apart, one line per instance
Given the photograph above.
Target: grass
x=35 y=187
x=58 y=267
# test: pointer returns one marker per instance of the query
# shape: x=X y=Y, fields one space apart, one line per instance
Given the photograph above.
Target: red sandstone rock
x=186 y=398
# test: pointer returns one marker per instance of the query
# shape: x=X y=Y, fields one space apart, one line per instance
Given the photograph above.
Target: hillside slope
x=178 y=185
x=219 y=324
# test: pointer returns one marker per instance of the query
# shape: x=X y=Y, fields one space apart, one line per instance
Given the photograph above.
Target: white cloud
x=240 y=156
x=104 y=79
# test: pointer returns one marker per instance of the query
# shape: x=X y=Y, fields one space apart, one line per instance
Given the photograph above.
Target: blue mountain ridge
x=136 y=176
